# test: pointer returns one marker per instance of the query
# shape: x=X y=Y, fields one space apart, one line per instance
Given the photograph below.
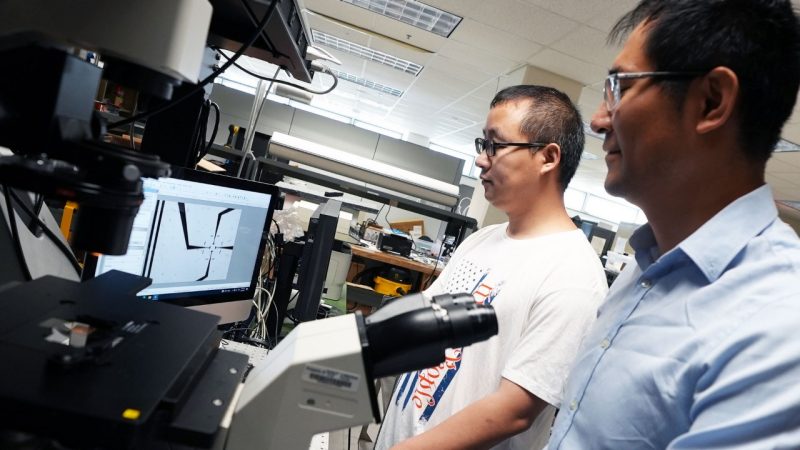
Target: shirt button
x=646 y=284
x=573 y=405
x=604 y=344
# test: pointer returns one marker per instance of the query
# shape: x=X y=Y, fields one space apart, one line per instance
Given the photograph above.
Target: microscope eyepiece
x=471 y=322
x=413 y=332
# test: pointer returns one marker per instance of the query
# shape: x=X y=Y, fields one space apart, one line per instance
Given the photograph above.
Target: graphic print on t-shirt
x=423 y=389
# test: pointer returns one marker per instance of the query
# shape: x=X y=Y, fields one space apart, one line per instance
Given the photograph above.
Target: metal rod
x=261 y=94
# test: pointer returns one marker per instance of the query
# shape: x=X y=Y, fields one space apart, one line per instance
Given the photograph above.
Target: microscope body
x=314 y=381
x=321 y=377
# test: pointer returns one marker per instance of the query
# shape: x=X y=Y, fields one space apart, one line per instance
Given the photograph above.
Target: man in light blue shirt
x=697 y=344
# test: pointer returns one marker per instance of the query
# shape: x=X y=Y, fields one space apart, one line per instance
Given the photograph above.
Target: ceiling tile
x=471 y=105
x=492 y=62
x=568 y=66
x=579 y=10
x=587 y=44
x=463 y=70
x=496 y=40
x=520 y=19
x=606 y=18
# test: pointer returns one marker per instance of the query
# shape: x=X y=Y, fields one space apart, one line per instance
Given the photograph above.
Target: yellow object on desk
x=427 y=272
x=388 y=287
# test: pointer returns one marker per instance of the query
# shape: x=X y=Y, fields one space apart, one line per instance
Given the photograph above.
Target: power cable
x=275 y=80
x=435 y=265
x=216 y=126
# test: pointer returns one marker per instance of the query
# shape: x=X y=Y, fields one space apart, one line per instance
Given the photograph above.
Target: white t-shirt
x=545 y=292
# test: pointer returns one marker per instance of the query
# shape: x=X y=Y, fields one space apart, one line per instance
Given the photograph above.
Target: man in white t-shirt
x=539 y=273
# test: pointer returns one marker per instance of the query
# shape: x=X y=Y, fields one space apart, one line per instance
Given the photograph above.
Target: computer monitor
x=601 y=240
x=587 y=227
x=200 y=237
x=315 y=258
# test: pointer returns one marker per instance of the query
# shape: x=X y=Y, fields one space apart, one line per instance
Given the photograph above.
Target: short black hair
x=758 y=39
x=552 y=117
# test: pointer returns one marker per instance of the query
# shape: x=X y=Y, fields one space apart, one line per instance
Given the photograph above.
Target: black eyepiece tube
x=471 y=322
x=412 y=333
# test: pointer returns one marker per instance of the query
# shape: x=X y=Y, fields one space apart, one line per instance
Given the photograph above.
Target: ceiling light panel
x=786 y=146
x=414 y=13
x=367 y=53
x=367 y=83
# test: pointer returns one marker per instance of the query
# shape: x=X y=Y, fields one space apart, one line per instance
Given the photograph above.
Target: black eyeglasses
x=612 y=92
x=490 y=147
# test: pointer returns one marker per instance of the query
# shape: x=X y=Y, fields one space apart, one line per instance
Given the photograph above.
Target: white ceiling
x=447 y=102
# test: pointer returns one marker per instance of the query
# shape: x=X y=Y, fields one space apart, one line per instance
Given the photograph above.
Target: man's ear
x=719 y=93
x=551 y=154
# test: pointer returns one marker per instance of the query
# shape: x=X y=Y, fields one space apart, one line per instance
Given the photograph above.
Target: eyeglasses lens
x=609 y=94
x=484 y=145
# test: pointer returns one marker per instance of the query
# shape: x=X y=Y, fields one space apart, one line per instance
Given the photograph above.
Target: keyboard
x=254 y=354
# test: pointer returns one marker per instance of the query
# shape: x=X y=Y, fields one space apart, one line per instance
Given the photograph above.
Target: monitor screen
x=200 y=237
x=587 y=227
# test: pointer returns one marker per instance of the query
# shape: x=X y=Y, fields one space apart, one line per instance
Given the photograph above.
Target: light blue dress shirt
x=696 y=348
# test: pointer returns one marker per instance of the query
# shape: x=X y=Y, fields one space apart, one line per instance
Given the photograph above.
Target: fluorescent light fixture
x=784 y=146
x=367 y=83
x=414 y=13
x=365 y=52
x=362 y=169
x=277 y=98
x=313 y=206
x=589 y=156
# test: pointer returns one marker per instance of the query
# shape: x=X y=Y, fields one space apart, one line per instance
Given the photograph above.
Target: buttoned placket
x=643 y=286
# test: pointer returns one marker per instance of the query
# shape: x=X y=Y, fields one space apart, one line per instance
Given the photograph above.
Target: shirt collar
x=644 y=246
x=714 y=245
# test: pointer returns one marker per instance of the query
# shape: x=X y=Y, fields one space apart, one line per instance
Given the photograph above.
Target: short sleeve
x=557 y=324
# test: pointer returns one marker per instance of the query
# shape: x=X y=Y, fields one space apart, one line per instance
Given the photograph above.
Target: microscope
x=47 y=115
x=139 y=374
x=151 y=375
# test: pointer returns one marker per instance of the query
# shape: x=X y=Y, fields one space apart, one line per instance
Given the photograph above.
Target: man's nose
x=601 y=119
x=483 y=161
